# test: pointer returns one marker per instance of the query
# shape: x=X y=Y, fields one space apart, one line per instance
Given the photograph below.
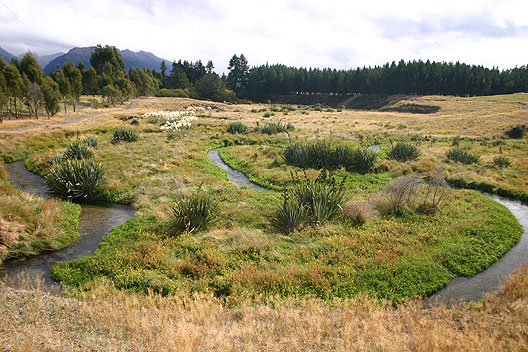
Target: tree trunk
x=16 y=109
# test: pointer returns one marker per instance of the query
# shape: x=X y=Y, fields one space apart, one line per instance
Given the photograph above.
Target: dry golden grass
x=107 y=320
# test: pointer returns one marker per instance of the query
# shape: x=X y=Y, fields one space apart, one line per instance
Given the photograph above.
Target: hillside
x=6 y=55
x=132 y=59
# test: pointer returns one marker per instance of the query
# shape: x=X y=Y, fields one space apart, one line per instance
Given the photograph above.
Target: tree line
x=412 y=77
x=23 y=84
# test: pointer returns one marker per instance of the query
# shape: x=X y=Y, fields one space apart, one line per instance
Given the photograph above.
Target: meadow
x=350 y=269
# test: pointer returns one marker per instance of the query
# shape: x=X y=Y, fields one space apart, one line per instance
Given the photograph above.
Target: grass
x=30 y=225
x=241 y=262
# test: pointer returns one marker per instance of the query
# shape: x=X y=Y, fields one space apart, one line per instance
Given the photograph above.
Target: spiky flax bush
x=194 y=212
x=124 y=134
x=237 y=128
x=403 y=151
x=74 y=179
x=78 y=150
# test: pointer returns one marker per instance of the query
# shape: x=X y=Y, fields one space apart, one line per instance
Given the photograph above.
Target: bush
x=274 y=127
x=227 y=95
x=91 y=142
x=358 y=213
x=173 y=93
x=399 y=194
x=516 y=132
x=309 y=202
x=501 y=161
x=290 y=216
x=74 y=179
x=237 y=127
x=404 y=151
x=194 y=213
x=78 y=150
x=322 y=155
x=462 y=156
x=124 y=134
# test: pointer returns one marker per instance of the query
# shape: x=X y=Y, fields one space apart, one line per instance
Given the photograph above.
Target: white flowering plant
x=173 y=120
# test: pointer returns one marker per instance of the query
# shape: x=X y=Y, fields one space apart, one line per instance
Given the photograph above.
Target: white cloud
x=340 y=34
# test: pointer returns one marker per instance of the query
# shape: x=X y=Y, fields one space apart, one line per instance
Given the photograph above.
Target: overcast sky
x=309 y=33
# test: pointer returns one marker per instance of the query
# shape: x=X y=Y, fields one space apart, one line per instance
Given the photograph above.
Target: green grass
x=391 y=258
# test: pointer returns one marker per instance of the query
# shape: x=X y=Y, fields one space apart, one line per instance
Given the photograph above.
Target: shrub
x=399 y=194
x=290 y=216
x=436 y=189
x=237 y=127
x=358 y=213
x=516 y=132
x=274 y=127
x=307 y=201
x=501 y=161
x=124 y=134
x=404 y=151
x=194 y=213
x=323 y=155
x=91 y=142
x=73 y=179
x=462 y=156
x=175 y=93
x=267 y=114
x=78 y=150
x=57 y=158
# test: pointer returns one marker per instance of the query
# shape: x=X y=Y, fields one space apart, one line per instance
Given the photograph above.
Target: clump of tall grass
x=400 y=194
x=501 y=161
x=123 y=134
x=322 y=155
x=276 y=127
x=308 y=202
x=403 y=151
x=91 y=142
x=516 y=132
x=78 y=150
x=194 y=212
x=358 y=213
x=237 y=128
x=74 y=179
x=462 y=156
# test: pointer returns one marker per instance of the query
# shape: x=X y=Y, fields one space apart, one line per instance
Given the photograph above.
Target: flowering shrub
x=173 y=120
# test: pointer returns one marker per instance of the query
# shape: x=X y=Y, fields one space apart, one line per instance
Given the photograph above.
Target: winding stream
x=461 y=288
x=97 y=219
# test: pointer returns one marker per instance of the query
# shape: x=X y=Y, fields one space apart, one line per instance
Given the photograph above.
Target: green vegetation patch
x=392 y=257
x=30 y=225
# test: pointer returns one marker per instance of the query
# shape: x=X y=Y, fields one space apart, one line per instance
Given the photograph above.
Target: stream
x=96 y=220
x=460 y=288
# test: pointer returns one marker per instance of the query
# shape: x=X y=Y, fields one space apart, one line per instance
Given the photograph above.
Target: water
x=97 y=219
x=234 y=176
x=474 y=287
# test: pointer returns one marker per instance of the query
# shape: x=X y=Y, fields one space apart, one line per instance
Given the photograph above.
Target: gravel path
x=130 y=106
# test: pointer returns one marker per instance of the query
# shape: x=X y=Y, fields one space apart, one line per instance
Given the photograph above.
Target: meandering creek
x=97 y=219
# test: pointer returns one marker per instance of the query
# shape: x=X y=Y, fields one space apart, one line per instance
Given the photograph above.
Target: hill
x=132 y=59
x=7 y=56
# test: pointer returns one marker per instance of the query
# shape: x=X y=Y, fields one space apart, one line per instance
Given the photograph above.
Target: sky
x=307 y=33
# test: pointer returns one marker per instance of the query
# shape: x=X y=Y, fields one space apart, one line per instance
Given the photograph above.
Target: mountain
x=42 y=60
x=132 y=59
x=7 y=56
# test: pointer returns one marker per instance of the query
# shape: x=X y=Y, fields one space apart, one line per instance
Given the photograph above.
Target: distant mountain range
x=49 y=63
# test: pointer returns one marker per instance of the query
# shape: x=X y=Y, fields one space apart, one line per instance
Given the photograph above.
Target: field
x=338 y=281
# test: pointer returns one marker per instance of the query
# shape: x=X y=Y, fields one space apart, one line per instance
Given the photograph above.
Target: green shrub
x=174 y=93
x=78 y=150
x=74 y=179
x=322 y=155
x=267 y=114
x=274 y=127
x=462 y=156
x=194 y=213
x=404 y=151
x=501 y=161
x=309 y=202
x=237 y=127
x=91 y=142
x=57 y=158
x=290 y=216
x=124 y=134
x=516 y=132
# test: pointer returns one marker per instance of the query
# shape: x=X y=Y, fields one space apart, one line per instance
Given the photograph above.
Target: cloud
x=340 y=34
